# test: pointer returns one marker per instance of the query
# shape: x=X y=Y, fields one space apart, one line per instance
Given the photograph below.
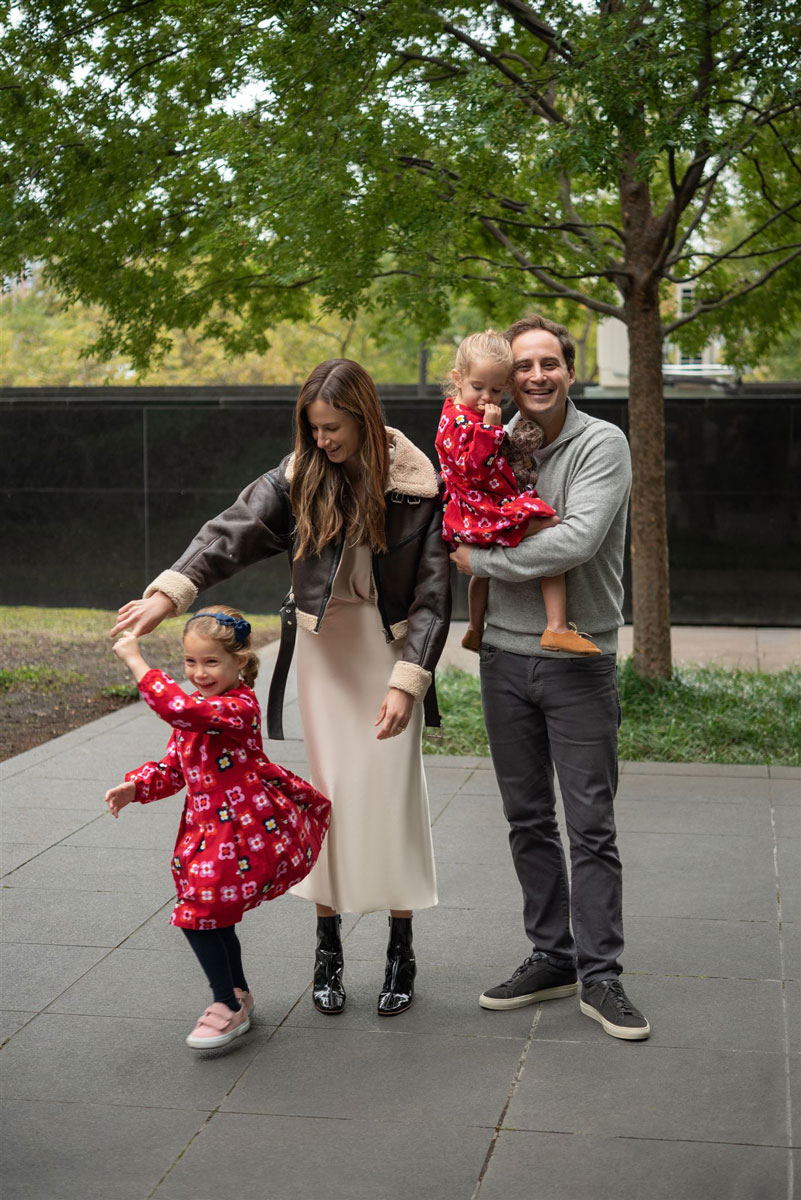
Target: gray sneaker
x=608 y=1004
x=534 y=980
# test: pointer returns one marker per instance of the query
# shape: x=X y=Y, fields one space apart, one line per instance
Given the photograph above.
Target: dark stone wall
x=103 y=487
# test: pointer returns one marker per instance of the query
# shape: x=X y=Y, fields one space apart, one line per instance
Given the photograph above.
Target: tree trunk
x=649 y=553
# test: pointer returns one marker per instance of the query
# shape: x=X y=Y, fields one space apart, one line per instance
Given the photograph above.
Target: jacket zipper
x=330 y=585
x=379 y=599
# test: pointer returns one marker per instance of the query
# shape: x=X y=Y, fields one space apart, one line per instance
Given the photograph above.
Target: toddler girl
x=490 y=477
x=249 y=830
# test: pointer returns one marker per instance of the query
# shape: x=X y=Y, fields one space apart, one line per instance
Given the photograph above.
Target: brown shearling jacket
x=411 y=579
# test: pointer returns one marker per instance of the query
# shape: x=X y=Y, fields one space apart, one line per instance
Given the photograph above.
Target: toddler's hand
x=117 y=797
x=127 y=647
x=491 y=414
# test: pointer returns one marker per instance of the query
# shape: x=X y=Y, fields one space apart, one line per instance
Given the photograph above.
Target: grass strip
x=704 y=714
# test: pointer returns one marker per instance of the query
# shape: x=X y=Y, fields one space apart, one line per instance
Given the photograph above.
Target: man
x=545 y=709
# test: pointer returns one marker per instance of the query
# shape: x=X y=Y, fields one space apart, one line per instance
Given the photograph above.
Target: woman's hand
x=127 y=651
x=143 y=616
x=394 y=714
x=117 y=797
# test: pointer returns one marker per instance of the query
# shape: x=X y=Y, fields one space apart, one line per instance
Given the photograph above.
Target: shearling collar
x=410 y=471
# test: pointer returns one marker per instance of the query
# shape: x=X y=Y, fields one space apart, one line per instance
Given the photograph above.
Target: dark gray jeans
x=543 y=713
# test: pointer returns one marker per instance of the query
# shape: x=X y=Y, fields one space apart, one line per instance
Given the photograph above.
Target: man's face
x=541 y=379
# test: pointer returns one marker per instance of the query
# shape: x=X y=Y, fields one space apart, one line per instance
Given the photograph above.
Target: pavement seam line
x=510 y=1096
x=785 y=1014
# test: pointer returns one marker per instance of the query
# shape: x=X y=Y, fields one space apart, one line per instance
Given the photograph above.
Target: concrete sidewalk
x=103 y=1101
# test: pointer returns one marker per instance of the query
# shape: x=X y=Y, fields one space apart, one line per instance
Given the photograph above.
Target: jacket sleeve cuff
x=177 y=587
x=408 y=677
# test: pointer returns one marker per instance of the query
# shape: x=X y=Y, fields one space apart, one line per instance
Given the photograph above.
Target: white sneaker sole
x=222 y=1039
x=623 y=1032
x=555 y=993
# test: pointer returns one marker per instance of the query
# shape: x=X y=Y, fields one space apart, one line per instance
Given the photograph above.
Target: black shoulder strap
x=275 y=701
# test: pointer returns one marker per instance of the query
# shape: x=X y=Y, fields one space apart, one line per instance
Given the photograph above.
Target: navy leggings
x=220 y=955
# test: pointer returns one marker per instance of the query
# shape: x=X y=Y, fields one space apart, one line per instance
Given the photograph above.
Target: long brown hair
x=323 y=501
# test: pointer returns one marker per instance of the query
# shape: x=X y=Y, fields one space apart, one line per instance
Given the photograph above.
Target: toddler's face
x=482 y=384
x=209 y=666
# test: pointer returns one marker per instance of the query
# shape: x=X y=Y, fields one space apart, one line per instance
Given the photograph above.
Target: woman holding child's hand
x=358 y=507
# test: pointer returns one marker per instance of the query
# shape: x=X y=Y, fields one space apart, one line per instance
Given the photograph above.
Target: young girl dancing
x=490 y=477
x=249 y=830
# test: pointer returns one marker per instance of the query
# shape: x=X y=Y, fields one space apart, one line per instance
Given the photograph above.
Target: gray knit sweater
x=585 y=474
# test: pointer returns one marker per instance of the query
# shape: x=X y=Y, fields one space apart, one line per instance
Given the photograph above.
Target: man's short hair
x=535 y=321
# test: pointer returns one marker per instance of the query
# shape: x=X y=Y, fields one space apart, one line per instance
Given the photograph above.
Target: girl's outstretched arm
x=117 y=797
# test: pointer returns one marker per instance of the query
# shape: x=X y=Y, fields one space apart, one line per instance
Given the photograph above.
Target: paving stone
x=688 y=946
x=33 y=975
x=697 y=876
x=25 y=791
x=86 y=1151
x=445 y=1002
x=14 y=855
x=552 y=1166
x=340 y=1159
x=10 y=1022
x=709 y=1014
x=699 y=770
x=699 y=788
x=128 y=983
x=42 y=826
x=785 y=791
x=99 y=868
x=120 y=1061
x=791 y=941
x=474 y=809
x=90 y=918
x=479 y=845
x=735 y=818
x=432 y=1076
x=139 y=826
x=613 y=1089
x=492 y=939
x=462 y=886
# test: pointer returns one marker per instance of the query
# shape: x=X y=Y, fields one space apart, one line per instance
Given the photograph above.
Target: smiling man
x=545 y=709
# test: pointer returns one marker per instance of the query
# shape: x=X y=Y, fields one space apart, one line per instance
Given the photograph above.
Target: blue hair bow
x=240 y=626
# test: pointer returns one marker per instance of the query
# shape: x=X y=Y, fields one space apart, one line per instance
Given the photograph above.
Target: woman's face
x=336 y=433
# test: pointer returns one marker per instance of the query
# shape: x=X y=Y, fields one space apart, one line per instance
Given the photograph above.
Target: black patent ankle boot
x=328 y=993
x=398 y=990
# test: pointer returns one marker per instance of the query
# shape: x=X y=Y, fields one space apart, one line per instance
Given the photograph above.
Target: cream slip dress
x=378 y=853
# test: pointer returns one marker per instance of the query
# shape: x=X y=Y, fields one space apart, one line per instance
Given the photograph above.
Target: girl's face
x=482 y=384
x=209 y=666
x=336 y=433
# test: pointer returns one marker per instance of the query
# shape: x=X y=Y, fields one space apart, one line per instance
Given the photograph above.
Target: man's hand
x=142 y=616
x=461 y=559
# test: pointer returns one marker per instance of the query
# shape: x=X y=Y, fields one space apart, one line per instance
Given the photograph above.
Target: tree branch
x=545 y=278
x=706 y=306
x=536 y=102
x=524 y=15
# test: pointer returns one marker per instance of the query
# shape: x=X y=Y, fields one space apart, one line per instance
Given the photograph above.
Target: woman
x=358 y=507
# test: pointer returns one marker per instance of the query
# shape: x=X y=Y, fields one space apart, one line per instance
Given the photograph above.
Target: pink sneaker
x=218 y=1026
x=246 y=1000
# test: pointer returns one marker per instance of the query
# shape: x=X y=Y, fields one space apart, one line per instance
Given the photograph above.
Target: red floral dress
x=483 y=504
x=250 y=829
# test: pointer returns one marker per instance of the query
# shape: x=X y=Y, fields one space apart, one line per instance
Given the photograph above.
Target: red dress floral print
x=250 y=829
x=483 y=504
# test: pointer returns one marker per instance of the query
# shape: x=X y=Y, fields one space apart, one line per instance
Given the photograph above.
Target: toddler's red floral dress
x=483 y=503
x=249 y=829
